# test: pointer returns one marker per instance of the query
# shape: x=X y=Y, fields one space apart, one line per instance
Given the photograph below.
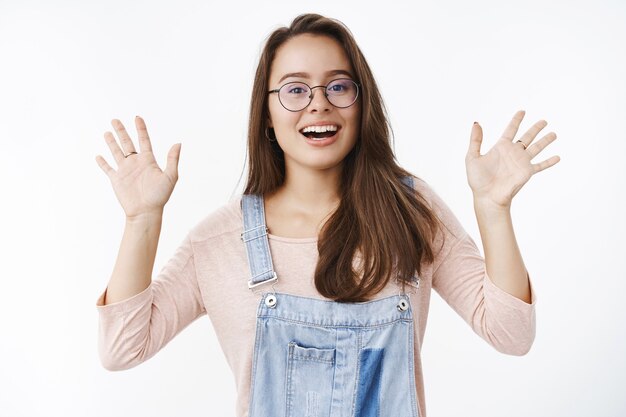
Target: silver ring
x=523 y=144
x=129 y=154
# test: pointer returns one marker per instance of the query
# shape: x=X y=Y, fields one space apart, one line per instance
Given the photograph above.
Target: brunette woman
x=317 y=279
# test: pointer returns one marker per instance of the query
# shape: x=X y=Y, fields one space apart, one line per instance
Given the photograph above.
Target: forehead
x=315 y=55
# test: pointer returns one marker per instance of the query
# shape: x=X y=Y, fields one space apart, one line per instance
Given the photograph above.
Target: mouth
x=319 y=133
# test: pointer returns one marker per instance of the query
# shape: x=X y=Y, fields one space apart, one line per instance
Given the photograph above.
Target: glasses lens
x=294 y=96
x=342 y=92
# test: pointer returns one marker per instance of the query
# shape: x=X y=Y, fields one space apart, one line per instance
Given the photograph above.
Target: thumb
x=476 y=138
x=171 y=168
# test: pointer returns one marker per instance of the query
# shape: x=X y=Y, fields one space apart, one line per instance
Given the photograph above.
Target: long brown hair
x=379 y=219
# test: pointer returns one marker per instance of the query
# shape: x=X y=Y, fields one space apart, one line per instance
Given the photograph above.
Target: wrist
x=147 y=218
x=487 y=205
x=489 y=213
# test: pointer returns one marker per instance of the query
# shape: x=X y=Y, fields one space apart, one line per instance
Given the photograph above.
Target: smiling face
x=314 y=60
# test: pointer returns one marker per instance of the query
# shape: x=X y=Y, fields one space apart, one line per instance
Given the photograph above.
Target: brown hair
x=387 y=223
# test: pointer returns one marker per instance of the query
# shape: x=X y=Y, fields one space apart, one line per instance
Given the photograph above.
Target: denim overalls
x=318 y=358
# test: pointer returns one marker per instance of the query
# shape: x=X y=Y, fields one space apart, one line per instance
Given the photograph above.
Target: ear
x=269 y=123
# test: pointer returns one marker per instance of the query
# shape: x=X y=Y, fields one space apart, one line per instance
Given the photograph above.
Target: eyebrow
x=307 y=75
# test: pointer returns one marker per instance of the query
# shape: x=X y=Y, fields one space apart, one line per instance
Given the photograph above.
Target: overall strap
x=254 y=237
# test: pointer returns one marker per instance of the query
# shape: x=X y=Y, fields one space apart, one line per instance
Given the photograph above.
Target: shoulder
x=225 y=219
x=449 y=222
x=428 y=195
x=424 y=190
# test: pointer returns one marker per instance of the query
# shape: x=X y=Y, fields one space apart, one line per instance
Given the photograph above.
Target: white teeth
x=320 y=129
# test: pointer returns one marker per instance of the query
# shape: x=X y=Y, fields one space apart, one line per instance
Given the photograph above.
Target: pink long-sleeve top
x=208 y=274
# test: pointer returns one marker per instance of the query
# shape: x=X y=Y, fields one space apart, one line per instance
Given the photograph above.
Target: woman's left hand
x=499 y=174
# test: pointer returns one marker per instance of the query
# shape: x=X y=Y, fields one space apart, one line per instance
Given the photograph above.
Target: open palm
x=499 y=174
x=139 y=184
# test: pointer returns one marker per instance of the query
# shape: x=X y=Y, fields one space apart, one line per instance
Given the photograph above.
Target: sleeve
x=460 y=278
x=131 y=331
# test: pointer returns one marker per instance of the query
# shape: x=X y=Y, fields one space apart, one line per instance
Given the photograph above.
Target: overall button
x=270 y=300
x=403 y=305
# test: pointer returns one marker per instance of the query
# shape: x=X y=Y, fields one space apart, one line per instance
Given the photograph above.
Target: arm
x=460 y=277
x=142 y=189
x=133 y=330
x=495 y=178
x=132 y=272
x=138 y=317
x=503 y=259
x=494 y=294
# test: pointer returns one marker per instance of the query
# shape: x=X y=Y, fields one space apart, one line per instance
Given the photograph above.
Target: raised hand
x=140 y=186
x=498 y=175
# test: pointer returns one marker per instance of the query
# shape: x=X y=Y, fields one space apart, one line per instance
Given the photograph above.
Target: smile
x=320 y=132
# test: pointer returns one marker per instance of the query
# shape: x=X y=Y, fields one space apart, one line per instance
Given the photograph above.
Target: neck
x=310 y=190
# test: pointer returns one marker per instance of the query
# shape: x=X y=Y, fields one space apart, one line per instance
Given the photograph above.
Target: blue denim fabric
x=318 y=358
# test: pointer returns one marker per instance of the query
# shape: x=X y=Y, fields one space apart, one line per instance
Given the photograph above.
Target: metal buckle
x=252 y=285
x=254 y=228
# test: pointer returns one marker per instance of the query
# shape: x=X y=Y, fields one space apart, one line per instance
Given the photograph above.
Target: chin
x=316 y=158
x=319 y=164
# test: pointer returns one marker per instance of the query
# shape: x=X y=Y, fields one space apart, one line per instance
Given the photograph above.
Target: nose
x=319 y=101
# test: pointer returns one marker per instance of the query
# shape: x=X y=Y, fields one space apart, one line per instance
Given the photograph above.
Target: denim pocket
x=310 y=375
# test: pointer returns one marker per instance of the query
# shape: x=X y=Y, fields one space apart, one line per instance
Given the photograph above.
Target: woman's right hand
x=140 y=186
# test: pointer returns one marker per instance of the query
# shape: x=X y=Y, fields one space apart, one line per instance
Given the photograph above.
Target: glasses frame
x=277 y=90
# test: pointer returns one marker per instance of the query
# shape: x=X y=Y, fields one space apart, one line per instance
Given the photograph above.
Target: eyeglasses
x=296 y=96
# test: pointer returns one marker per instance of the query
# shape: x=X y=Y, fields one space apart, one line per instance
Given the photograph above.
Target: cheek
x=354 y=119
x=273 y=111
x=285 y=125
x=282 y=119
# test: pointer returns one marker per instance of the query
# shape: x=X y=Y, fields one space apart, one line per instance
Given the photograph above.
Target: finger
x=142 y=131
x=511 y=129
x=541 y=144
x=476 y=139
x=102 y=163
x=532 y=133
x=171 y=167
x=125 y=141
x=546 y=164
x=118 y=155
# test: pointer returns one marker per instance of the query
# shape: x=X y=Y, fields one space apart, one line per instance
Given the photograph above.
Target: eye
x=337 y=88
x=296 y=89
x=340 y=87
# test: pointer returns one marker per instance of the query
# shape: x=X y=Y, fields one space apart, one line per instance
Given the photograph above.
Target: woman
x=317 y=280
